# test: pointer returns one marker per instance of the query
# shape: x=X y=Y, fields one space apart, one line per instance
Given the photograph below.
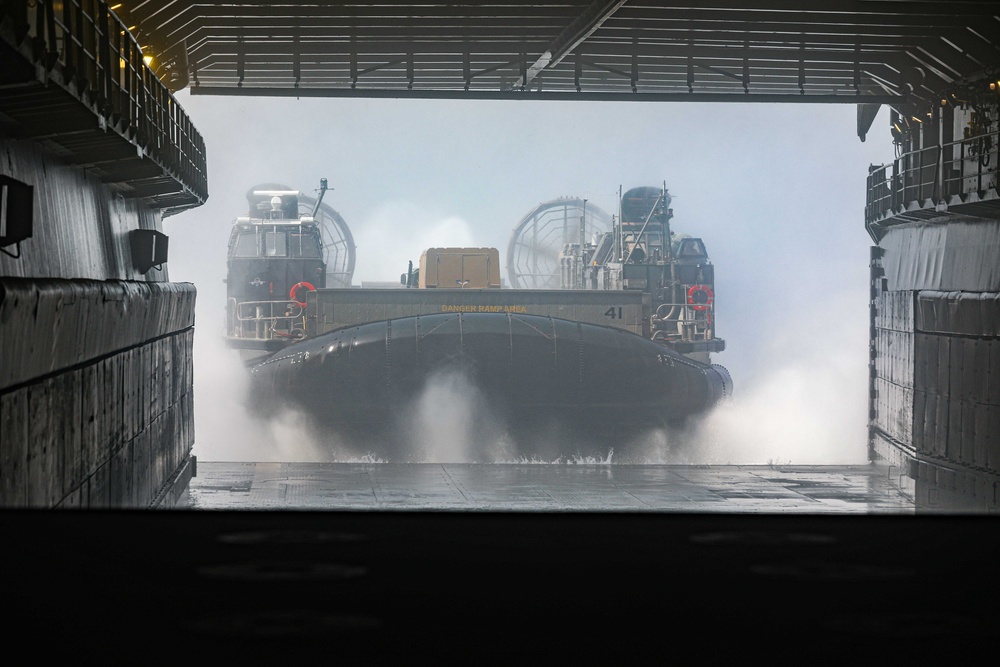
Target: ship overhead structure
x=287 y=245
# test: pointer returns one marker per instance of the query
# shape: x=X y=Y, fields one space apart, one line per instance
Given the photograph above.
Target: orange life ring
x=293 y=293
x=700 y=305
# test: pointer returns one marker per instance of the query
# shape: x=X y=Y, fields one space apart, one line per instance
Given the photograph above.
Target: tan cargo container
x=470 y=268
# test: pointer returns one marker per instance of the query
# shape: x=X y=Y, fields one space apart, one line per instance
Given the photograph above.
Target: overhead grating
x=850 y=51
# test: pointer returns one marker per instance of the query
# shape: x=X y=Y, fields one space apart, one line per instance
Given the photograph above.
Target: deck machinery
x=642 y=254
x=623 y=346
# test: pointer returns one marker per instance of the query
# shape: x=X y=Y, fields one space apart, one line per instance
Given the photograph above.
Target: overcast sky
x=776 y=191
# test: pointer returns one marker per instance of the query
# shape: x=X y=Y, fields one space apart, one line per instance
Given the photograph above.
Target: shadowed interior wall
x=936 y=358
x=96 y=398
x=95 y=359
x=80 y=225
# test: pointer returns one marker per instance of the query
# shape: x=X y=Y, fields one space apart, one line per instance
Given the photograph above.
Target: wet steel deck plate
x=863 y=489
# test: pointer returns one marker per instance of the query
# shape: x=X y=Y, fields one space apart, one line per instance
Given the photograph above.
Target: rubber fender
x=720 y=381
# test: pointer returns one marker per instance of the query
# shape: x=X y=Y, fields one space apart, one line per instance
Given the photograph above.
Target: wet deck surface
x=865 y=489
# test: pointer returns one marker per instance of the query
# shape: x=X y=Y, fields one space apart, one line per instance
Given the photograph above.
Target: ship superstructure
x=286 y=246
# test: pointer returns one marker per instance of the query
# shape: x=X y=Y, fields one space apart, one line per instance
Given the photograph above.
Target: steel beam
x=592 y=18
x=769 y=98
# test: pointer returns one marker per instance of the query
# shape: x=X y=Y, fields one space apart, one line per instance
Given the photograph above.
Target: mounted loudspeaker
x=15 y=213
x=149 y=249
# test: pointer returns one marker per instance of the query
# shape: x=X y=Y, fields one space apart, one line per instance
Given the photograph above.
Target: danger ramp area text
x=484 y=309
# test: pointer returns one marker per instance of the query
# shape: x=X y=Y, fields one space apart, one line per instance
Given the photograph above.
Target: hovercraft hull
x=584 y=386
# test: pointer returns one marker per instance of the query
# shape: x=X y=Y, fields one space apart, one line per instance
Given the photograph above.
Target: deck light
x=16 y=207
x=149 y=249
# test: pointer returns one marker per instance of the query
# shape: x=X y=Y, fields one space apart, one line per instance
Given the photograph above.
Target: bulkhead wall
x=80 y=225
x=935 y=350
x=96 y=404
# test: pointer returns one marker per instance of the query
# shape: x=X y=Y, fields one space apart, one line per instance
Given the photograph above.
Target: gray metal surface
x=548 y=488
x=52 y=324
x=934 y=401
x=96 y=390
x=81 y=227
x=83 y=86
x=330 y=309
x=961 y=313
x=956 y=368
x=951 y=253
x=751 y=50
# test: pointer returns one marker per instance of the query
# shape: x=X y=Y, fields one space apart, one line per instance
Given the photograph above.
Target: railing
x=684 y=322
x=98 y=59
x=933 y=174
x=265 y=320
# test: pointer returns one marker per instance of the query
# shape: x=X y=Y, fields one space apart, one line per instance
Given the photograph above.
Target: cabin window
x=692 y=248
x=304 y=245
x=246 y=245
x=274 y=244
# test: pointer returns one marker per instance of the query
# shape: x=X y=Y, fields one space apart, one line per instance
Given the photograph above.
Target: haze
x=776 y=191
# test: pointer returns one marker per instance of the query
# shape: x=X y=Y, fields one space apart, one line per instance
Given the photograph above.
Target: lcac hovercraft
x=618 y=345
